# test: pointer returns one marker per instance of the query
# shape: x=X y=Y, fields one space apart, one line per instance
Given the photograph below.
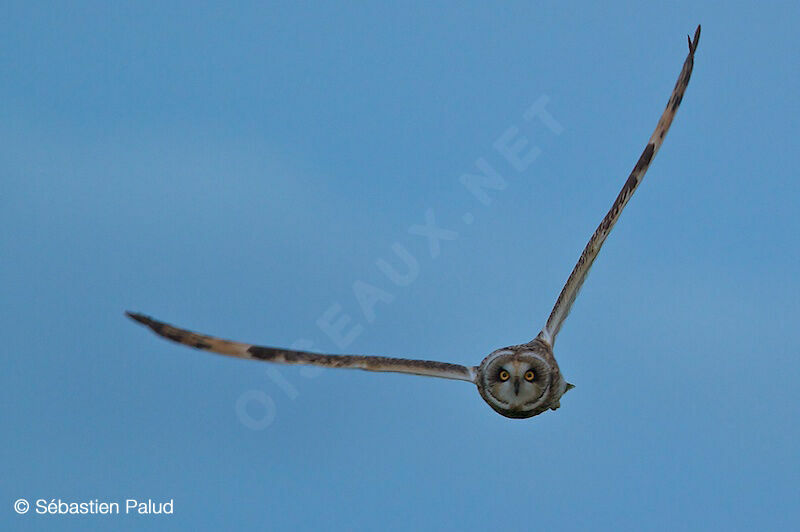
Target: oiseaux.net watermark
x=95 y=507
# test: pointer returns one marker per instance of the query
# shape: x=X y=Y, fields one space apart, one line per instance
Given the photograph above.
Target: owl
x=519 y=381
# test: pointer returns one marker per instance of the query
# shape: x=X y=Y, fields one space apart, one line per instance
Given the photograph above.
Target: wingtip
x=141 y=318
x=694 y=42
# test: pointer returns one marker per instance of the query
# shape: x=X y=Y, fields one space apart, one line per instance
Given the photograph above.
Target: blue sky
x=236 y=169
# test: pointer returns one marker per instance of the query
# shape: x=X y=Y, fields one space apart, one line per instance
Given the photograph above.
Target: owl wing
x=427 y=368
x=578 y=275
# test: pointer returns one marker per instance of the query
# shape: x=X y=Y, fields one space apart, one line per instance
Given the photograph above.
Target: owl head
x=521 y=381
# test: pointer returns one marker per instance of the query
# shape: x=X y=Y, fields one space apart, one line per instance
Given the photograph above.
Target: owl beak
x=516 y=386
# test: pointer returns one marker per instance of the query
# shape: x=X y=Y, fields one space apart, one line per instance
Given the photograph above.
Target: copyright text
x=96 y=506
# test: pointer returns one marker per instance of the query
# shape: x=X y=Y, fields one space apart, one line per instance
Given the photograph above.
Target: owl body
x=521 y=381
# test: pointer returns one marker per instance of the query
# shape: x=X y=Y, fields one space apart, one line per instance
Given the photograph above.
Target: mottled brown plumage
x=573 y=285
x=288 y=356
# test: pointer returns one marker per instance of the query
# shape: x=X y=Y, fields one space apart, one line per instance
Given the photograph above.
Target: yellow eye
x=529 y=376
x=504 y=376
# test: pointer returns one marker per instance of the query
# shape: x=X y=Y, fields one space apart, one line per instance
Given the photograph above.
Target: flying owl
x=519 y=381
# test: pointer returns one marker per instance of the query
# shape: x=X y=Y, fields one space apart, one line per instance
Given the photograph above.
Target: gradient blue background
x=235 y=169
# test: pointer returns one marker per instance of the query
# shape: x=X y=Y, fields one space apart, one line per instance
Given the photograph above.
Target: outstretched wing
x=427 y=368
x=578 y=275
